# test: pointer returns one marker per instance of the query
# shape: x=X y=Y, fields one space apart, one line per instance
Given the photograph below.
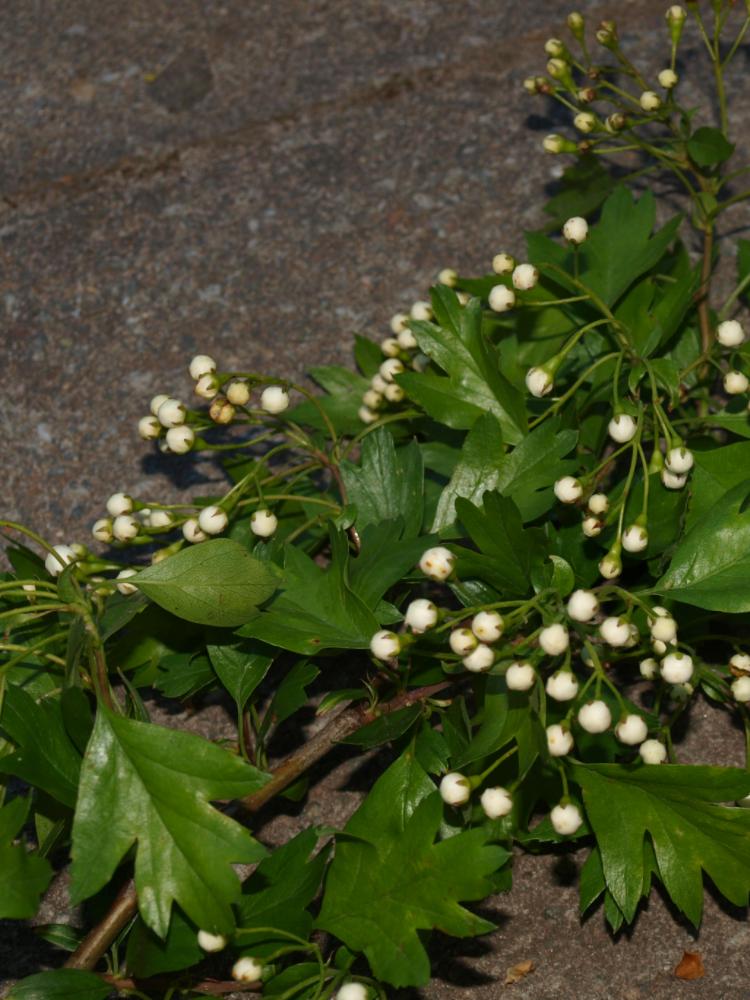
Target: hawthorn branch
x=214 y=987
x=346 y=721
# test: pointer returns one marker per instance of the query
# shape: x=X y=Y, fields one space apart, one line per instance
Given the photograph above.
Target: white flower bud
x=247 y=970
x=740 y=661
x=679 y=460
x=735 y=383
x=650 y=101
x=595 y=717
x=530 y=85
x=421 y=615
x=575 y=21
x=221 y=410
x=659 y=646
x=668 y=78
x=372 y=400
x=496 y=802
x=582 y=605
x=520 y=677
x=448 y=277
x=501 y=299
x=237 y=392
x=677 y=668
x=102 y=530
x=554 y=639
x=592 y=527
x=634 y=538
x=390 y=368
x=462 y=641
x=192 y=532
x=653 y=752
x=407 y=341
x=201 y=364
x=671 y=480
x=741 y=689
x=352 y=991
x=211 y=942
x=480 y=660
x=274 y=399
x=455 y=789
x=207 y=386
x=586 y=95
x=631 y=730
x=615 y=631
x=263 y=523
x=730 y=333
x=585 y=122
x=421 y=311
x=538 y=382
x=675 y=14
x=385 y=645
x=390 y=347
x=437 y=563
x=568 y=489
x=180 y=439
x=566 y=819
x=159 y=519
x=366 y=415
x=398 y=323
x=554 y=47
x=119 y=503
x=126 y=588
x=598 y=503
x=622 y=428
x=576 y=229
x=553 y=144
x=525 y=277
x=149 y=428
x=487 y=626
x=156 y=402
x=212 y=520
x=562 y=685
x=610 y=566
x=394 y=393
x=503 y=263
x=559 y=741
x=60 y=557
x=649 y=668
x=378 y=383
x=663 y=628
x=171 y=413
x=125 y=528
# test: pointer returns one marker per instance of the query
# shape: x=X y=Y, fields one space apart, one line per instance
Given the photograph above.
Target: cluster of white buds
x=593 y=518
x=456 y=789
x=677 y=465
x=663 y=630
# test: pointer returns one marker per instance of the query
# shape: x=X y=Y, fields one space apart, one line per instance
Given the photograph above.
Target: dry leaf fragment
x=518 y=971
x=691 y=966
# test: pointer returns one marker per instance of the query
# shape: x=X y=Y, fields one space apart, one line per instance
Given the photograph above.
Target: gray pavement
x=258 y=180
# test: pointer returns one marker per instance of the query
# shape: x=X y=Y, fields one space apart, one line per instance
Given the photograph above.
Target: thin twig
x=347 y=720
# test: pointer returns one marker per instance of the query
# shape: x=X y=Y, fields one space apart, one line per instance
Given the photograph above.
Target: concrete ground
x=257 y=181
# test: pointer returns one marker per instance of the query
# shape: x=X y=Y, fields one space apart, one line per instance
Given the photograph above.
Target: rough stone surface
x=237 y=178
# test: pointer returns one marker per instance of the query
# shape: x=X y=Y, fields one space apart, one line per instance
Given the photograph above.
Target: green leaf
x=316 y=608
x=23 y=876
x=241 y=667
x=477 y=471
x=181 y=675
x=715 y=473
x=708 y=147
x=215 y=583
x=150 y=788
x=385 y=729
x=471 y=363
x=147 y=955
x=529 y=470
x=387 y=484
x=620 y=247
x=440 y=398
x=389 y=880
x=499 y=535
x=582 y=189
x=675 y=806
x=710 y=566
x=384 y=558
x=279 y=892
x=62 y=984
x=291 y=695
x=503 y=714
x=45 y=756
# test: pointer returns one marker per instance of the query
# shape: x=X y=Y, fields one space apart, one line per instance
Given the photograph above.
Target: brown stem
x=216 y=987
x=102 y=677
x=347 y=720
x=702 y=294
